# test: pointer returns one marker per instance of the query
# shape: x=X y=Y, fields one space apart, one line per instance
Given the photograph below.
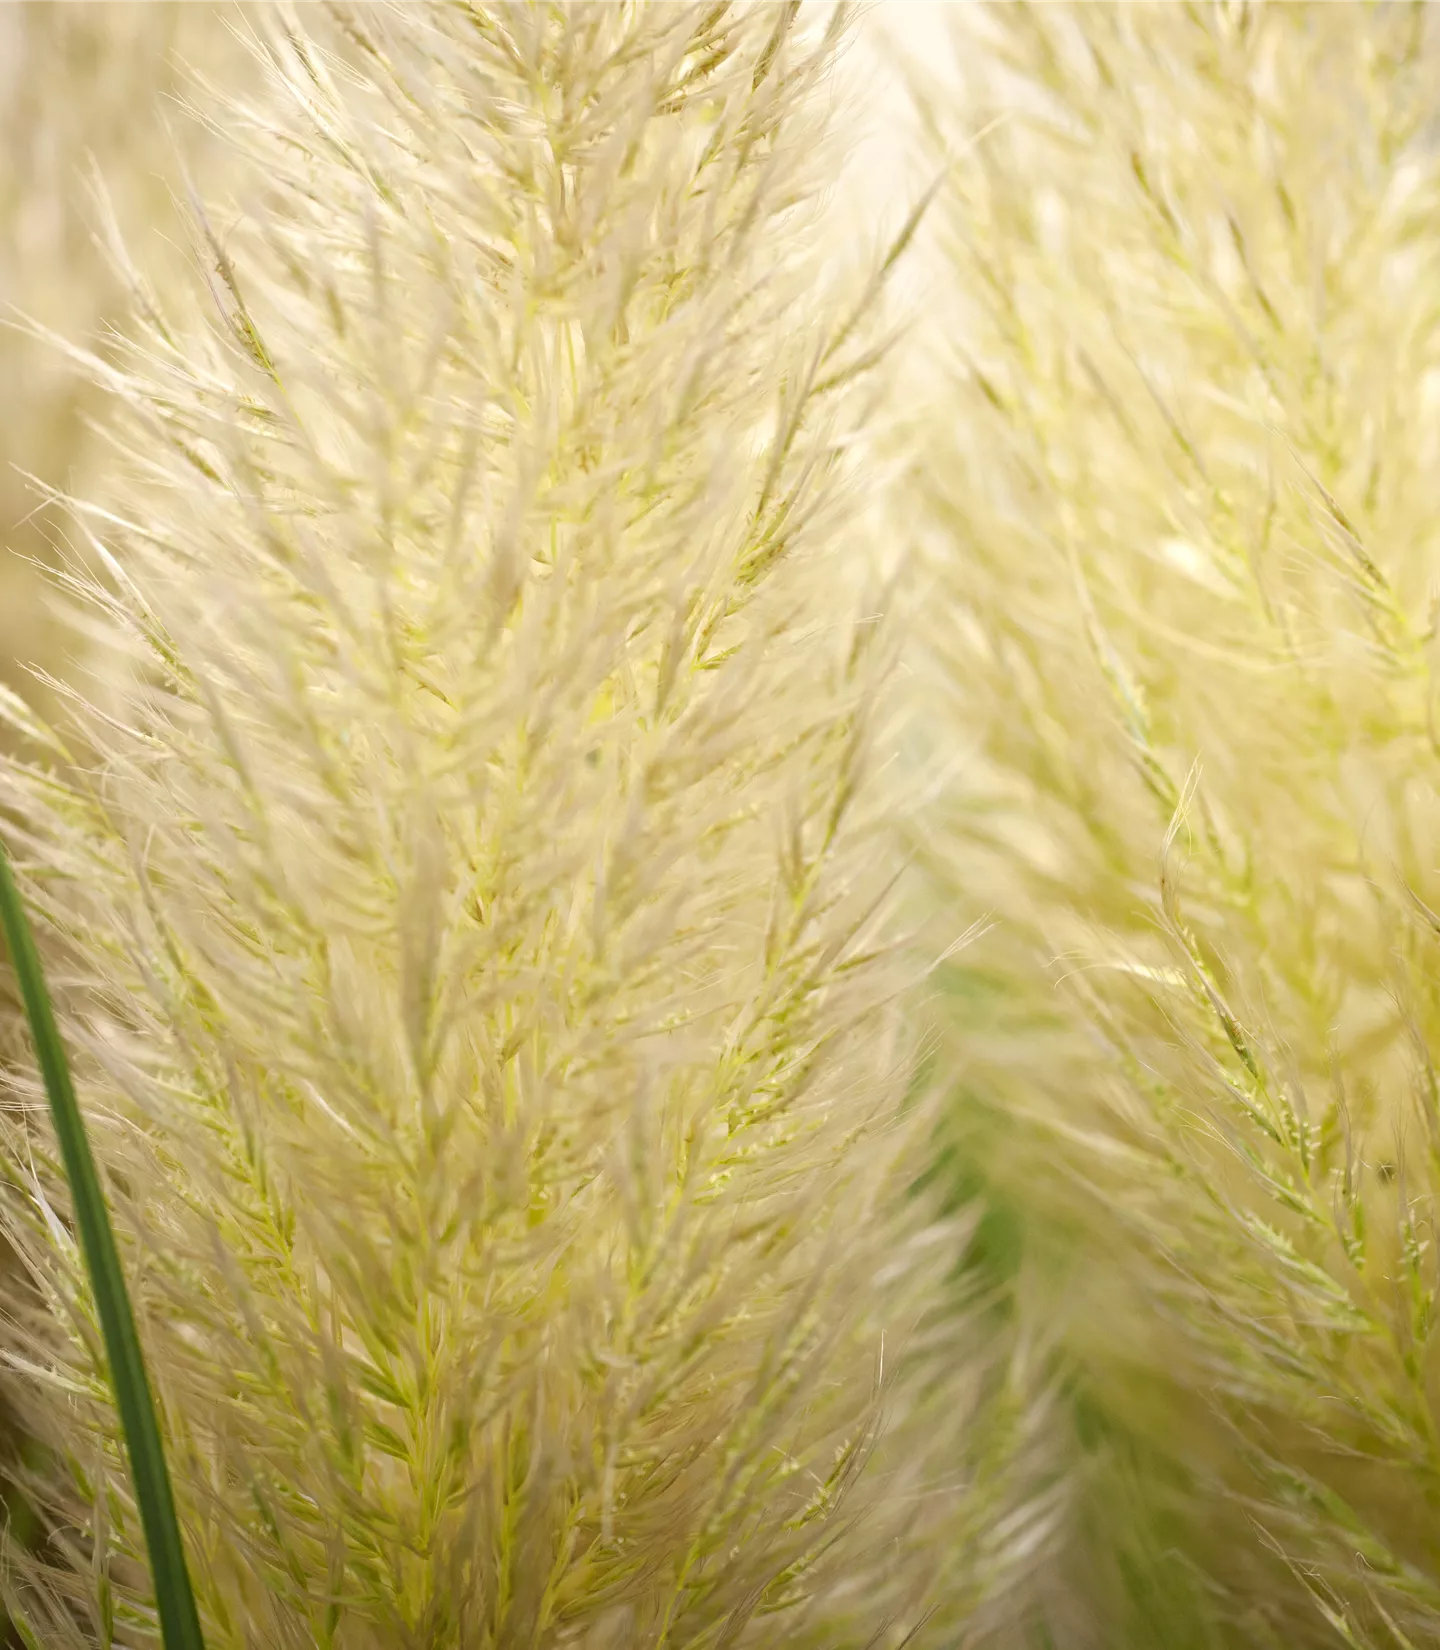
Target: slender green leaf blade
x=174 y=1597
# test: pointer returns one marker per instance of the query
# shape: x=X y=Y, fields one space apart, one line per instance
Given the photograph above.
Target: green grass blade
x=175 y=1600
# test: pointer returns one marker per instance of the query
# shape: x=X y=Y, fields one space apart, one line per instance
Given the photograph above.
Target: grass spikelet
x=470 y=933
x=1177 y=482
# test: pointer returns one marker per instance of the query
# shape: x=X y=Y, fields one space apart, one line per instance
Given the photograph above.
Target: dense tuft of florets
x=1179 y=490
x=470 y=926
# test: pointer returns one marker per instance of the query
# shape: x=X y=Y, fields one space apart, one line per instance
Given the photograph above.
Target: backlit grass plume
x=81 y=84
x=468 y=935
x=1179 y=482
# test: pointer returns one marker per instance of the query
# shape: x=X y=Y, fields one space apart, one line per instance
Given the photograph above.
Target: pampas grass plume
x=1176 y=486
x=81 y=84
x=470 y=924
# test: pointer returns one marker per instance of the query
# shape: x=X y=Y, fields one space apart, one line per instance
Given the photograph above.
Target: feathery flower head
x=468 y=923
x=1181 y=494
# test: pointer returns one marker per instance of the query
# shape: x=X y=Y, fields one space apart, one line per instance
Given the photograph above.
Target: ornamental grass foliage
x=470 y=914
x=477 y=861
x=86 y=84
x=1175 y=481
x=82 y=85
